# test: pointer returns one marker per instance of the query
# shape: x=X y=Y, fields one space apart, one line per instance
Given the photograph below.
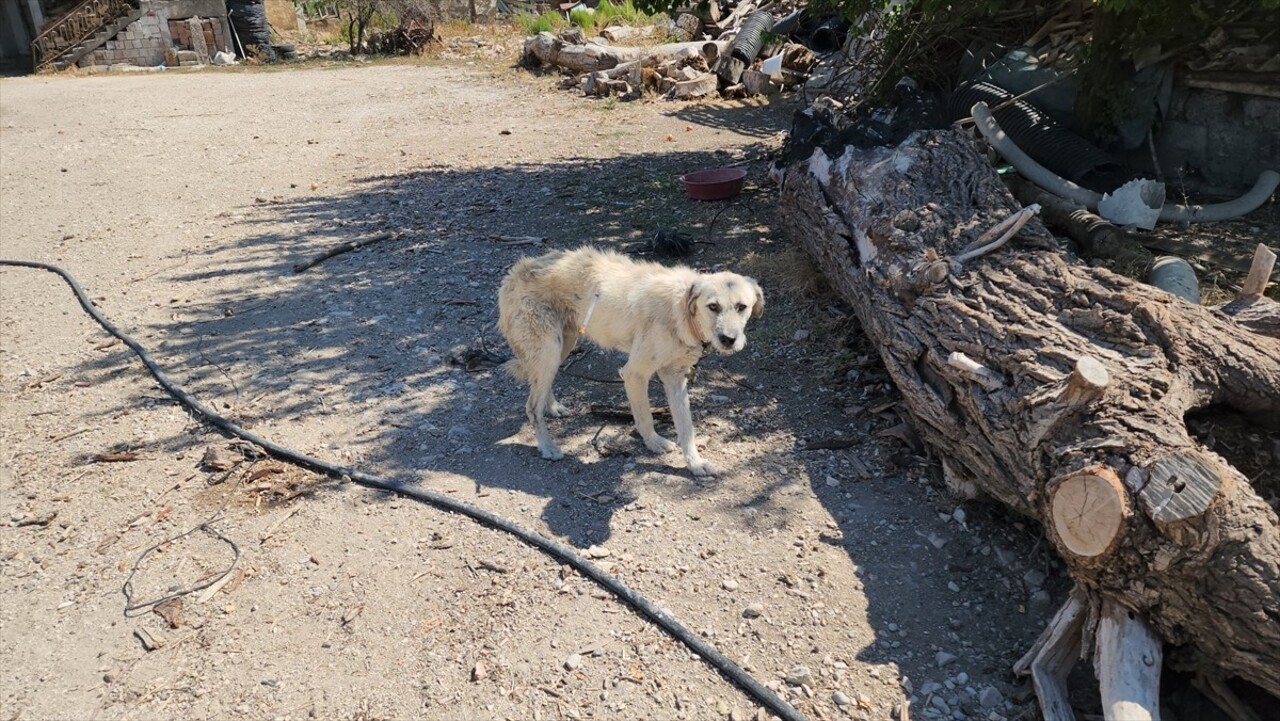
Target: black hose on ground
x=553 y=548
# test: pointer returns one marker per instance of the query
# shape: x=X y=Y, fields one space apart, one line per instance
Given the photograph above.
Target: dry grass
x=792 y=271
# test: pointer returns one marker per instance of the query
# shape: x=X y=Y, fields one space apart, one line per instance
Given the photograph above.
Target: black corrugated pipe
x=751 y=35
x=829 y=37
x=789 y=23
x=1053 y=146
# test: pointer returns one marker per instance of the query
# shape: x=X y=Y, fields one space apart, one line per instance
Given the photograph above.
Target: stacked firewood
x=714 y=58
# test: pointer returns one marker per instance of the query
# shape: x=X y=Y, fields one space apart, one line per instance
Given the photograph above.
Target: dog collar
x=582 y=329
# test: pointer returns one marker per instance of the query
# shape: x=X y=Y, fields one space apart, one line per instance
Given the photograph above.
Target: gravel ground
x=843 y=577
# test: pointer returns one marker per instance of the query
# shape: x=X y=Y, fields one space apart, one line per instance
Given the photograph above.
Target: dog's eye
x=742 y=308
x=713 y=307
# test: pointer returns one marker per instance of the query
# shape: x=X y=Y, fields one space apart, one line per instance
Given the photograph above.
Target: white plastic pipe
x=1262 y=189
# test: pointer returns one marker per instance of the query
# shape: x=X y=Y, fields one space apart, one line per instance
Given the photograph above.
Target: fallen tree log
x=1059 y=390
x=545 y=49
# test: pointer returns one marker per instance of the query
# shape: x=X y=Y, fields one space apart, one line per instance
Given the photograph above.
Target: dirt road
x=182 y=202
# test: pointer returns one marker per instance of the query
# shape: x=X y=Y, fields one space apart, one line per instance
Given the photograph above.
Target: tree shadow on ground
x=373 y=347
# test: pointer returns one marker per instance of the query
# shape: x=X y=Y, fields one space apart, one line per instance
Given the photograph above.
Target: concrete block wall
x=1226 y=139
x=147 y=39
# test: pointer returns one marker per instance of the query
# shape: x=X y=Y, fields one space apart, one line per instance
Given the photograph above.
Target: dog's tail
x=515 y=369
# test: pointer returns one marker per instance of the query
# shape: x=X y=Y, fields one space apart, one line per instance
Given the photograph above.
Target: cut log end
x=1088 y=511
x=1088 y=380
x=1182 y=487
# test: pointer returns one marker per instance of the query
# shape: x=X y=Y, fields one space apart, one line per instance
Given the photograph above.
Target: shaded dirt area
x=182 y=202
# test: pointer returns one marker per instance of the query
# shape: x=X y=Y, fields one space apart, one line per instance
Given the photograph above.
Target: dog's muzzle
x=728 y=345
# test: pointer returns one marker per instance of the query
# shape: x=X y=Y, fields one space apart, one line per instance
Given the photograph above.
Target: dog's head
x=720 y=304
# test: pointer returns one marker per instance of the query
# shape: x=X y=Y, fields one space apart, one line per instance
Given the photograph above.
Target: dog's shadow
x=604 y=460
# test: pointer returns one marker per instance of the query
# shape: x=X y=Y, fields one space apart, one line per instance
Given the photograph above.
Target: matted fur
x=663 y=318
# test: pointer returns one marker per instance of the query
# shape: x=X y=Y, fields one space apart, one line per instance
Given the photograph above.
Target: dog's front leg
x=635 y=379
x=676 y=383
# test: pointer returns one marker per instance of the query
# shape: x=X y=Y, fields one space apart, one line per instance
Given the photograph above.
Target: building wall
x=147 y=41
x=15 y=33
x=1226 y=139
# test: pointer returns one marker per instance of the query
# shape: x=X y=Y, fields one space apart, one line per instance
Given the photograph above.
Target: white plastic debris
x=1137 y=202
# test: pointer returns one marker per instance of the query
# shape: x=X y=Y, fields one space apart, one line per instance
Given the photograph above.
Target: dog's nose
x=727 y=340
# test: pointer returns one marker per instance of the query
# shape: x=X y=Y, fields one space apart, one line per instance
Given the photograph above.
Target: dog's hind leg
x=541 y=367
x=635 y=378
x=555 y=408
x=676 y=384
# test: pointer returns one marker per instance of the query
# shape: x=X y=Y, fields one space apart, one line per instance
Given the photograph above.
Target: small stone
x=270 y=682
x=800 y=335
x=1034 y=579
x=962 y=678
x=941 y=704
x=833 y=481
x=958 y=515
x=1040 y=598
x=799 y=676
x=930 y=687
x=990 y=698
x=109 y=677
x=598 y=552
x=729 y=584
x=754 y=610
x=737 y=714
x=893 y=628
x=573 y=662
x=945 y=659
x=955 y=587
x=478 y=672
x=840 y=699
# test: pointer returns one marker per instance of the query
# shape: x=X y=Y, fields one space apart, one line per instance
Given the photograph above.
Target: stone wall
x=1222 y=139
x=147 y=41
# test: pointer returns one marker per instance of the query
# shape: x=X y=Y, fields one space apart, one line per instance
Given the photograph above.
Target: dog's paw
x=558 y=410
x=658 y=444
x=552 y=454
x=701 y=468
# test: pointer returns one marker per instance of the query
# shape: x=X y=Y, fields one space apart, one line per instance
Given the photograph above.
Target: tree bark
x=1067 y=405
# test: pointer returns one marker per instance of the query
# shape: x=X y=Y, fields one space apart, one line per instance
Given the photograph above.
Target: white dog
x=664 y=318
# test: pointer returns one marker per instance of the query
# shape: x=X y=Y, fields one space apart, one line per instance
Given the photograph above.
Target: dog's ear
x=757 y=308
x=691 y=298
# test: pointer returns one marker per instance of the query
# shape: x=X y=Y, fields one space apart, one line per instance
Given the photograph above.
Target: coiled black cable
x=553 y=548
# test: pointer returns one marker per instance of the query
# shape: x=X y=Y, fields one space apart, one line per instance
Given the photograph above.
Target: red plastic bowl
x=717 y=184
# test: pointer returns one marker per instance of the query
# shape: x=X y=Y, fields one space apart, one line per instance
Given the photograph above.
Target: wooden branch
x=1096 y=236
x=1217 y=691
x=1181 y=486
x=1053 y=656
x=343 y=248
x=1127 y=663
x=1089 y=510
x=1264 y=260
x=980 y=373
x=1007 y=228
